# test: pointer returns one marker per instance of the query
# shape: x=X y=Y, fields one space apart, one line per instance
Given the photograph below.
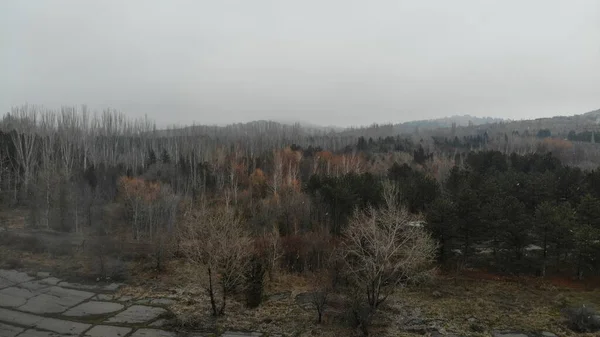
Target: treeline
x=522 y=214
x=107 y=175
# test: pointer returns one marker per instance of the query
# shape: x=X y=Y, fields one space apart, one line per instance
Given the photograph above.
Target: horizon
x=339 y=63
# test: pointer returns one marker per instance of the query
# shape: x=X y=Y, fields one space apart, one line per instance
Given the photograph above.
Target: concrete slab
x=9 y=330
x=137 y=314
x=34 y=285
x=13 y=297
x=20 y=318
x=55 y=300
x=158 y=323
x=107 y=330
x=14 y=276
x=5 y=283
x=38 y=333
x=153 y=333
x=43 y=274
x=94 y=308
x=62 y=326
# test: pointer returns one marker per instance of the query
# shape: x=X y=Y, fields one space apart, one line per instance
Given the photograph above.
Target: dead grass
x=489 y=302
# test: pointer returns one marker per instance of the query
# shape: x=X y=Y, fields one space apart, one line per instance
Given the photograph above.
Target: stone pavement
x=44 y=306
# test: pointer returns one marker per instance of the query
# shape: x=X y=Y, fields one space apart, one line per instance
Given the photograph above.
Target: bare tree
x=216 y=240
x=383 y=252
x=23 y=122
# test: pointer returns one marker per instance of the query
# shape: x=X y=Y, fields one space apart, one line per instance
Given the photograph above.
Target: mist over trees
x=261 y=198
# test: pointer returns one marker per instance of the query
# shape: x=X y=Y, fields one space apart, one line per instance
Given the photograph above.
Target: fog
x=335 y=62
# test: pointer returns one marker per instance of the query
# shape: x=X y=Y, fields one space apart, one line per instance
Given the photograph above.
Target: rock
x=107 y=330
x=77 y=286
x=137 y=314
x=55 y=300
x=9 y=330
x=94 y=308
x=125 y=298
x=50 y=281
x=436 y=294
x=43 y=274
x=152 y=333
x=112 y=287
x=476 y=327
x=548 y=334
x=105 y=297
x=280 y=296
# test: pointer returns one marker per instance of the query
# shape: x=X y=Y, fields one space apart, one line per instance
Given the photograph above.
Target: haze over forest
x=316 y=168
x=343 y=63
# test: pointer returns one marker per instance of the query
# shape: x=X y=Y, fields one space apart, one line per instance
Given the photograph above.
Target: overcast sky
x=338 y=62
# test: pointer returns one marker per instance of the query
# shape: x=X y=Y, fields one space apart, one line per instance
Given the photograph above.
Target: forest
x=366 y=209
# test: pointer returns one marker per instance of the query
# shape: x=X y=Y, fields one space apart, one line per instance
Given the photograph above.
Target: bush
x=13 y=263
x=583 y=319
x=60 y=249
x=23 y=243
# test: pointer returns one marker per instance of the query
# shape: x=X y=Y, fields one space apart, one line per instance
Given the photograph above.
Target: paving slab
x=94 y=308
x=43 y=274
x=38 y=333
x=13 y=297
x=9 y=330
x=107 y=330
x=62 y=326
x=158 y=323
x=20 y=318
x=14 y=276
x=34 y=285
x=137 y=314
x=5 y=283
x=55 y=300
x=153 y=333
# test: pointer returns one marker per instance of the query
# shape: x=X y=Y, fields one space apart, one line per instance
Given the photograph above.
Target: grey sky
x=339 y=62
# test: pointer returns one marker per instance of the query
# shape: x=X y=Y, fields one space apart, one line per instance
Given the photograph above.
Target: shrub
x=583 y=319
x=13 y=263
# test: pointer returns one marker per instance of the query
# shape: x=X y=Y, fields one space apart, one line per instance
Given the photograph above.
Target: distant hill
x=445 y=122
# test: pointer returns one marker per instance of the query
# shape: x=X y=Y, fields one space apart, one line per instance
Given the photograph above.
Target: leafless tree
x=217 y=241
x=383 y=252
